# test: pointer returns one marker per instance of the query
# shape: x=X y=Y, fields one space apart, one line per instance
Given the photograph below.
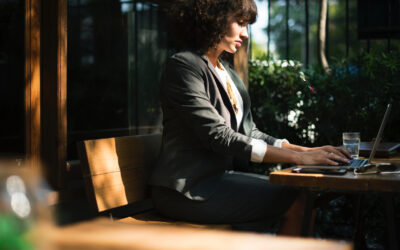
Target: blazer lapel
x=223 y=93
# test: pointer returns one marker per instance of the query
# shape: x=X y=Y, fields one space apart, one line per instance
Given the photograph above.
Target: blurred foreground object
x=22 y=206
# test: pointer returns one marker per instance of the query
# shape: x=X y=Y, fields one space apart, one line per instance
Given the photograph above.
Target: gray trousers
x=245 y=200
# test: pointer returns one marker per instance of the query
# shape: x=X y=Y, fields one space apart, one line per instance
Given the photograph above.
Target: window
x=351 y=26
x=379 y=19
x=12 y=78
x=116 y=52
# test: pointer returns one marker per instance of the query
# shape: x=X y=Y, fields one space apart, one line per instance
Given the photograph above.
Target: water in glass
x=352 y=145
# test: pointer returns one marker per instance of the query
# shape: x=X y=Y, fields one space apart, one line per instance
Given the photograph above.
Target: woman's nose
x=244 y=33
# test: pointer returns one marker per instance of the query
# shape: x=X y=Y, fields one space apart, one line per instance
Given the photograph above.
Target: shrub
x=311 y=107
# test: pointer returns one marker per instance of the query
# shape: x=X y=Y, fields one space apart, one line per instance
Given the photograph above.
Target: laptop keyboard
x=354 y=163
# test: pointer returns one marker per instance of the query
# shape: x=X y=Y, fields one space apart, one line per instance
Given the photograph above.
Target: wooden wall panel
x=54 y=90
x=62 y=89
x=32 y=88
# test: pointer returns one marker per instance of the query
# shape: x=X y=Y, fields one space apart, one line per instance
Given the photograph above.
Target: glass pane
x=297 y=30
x=313 y=20
x=379 y=19
x=355 y=45
x=116 y=49
x=278 y=29
x=12 y=74
x=336 y=33
x=150 y=60
x=259 y=31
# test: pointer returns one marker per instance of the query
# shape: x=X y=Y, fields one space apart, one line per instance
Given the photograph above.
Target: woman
x=208 y=127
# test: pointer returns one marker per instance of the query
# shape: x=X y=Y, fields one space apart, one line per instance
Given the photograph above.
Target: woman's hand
x=334 y=150
x=324 y=155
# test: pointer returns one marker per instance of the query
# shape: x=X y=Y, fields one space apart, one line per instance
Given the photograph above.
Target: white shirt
x=259 y=147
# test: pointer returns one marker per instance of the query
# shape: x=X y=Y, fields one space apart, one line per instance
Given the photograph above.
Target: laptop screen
x=380 y=132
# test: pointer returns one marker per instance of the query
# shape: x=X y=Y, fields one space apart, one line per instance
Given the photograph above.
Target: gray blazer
x=201 y=138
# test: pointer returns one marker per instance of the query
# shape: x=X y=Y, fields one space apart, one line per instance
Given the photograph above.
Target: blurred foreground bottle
x=23 y=209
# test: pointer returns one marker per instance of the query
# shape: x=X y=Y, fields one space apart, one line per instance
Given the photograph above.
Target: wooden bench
x=116 y=171
x=104 y=234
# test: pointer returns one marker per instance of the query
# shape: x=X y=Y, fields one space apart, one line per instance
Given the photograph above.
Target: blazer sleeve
x=183 y=89
x=257 y=134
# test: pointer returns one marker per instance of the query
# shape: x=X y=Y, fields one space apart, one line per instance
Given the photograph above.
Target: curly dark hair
x=201 y=24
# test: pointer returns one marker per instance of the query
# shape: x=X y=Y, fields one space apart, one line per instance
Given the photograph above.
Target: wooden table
x=386 y=184
x=347 y=182
x=105 y=234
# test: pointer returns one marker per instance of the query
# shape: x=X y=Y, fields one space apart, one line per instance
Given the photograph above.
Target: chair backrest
x=116 y=170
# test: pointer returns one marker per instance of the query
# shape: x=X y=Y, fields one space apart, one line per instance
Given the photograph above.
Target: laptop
x=357 y=163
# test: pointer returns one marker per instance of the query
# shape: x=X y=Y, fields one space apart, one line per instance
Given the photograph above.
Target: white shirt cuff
x=258 y=150
x=278 y=142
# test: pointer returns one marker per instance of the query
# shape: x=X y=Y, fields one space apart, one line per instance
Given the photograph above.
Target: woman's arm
x=314 y=156
x=295 y=154
x=330 y=149
x=295 y=147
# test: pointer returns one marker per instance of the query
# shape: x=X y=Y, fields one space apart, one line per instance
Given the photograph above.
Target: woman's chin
x=232 y=50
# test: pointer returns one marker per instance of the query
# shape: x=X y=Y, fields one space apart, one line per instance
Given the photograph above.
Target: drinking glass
x=351 y=142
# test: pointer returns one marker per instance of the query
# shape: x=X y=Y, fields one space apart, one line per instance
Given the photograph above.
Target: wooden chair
x=116 y=171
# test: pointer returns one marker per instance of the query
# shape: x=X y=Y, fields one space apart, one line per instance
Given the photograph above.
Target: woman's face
x=237 y=31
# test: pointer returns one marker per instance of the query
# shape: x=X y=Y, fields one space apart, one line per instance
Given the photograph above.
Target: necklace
x=229 y=90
